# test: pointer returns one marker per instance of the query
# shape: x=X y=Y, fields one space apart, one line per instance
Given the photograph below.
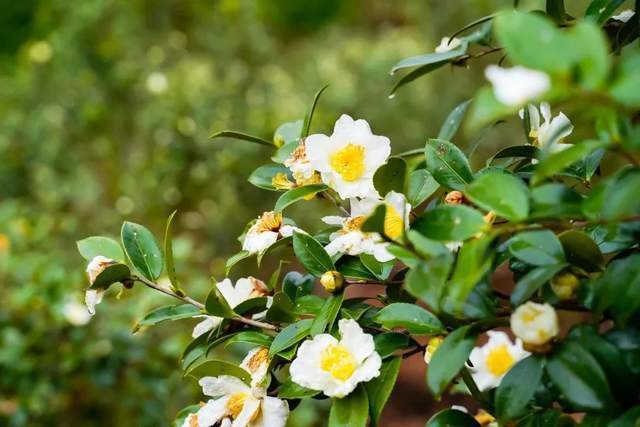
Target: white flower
x=349 y=157
x=493 y=360
x=549 y=134
x=447 y=44
x=245 y=288
x=236 y=404
x=75 y=313
x=624 y=16
x=336 y=367
x=535 y=324
x=267 y=229
x=353 y=241
x=94 y=268
x=517 y=85
x=301 y=168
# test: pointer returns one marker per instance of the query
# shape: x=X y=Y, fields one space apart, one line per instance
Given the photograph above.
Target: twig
x=187 y=299
x=329 y=197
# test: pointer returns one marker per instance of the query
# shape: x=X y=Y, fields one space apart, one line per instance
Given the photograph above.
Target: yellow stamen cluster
x=348 y=162
x=258 y=359
x=269 y=221
x=338 y=361
x=499 y=360
x=235 y=404
x=280 y=181
x=354 y=223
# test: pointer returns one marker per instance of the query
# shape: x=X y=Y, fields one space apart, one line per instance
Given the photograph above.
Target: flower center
x=235 y=404
x=393 y=223
x=338 y=361
x=354 y=223
x=261 y=356
x=269 y=221
x=348 y=162
x=499 y=360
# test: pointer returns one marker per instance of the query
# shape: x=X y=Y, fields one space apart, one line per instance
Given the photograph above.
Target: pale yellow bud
x=332 y=281
x=564 y=285
x=431 y=348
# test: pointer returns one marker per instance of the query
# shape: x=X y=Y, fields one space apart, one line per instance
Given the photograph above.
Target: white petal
x=249 y=409
x=258 y=368
x=484 y=380
x=317 y=148
x=305 y=369
x=242 y=292
x=517 y=85
x=380 y=252
x=222 y=385
x=377 y=151
x=624 y=16
x=258 y=242
x=333 y=220
x=209 y=323
x=288 y=230
x=363 y=207
x=359 y=344
x=344 y=125
x=93 y=297
x=274 y=413
x=212 y=412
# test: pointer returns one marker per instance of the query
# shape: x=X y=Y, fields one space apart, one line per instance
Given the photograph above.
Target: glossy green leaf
x=168 y=312
x=375 y=222
x=502 y=193
x=473 y=263
x=449 y=358
x=215 y=368
x=618 y=289
x=558 y=161
x=555 y=9
x=241 y=136
x=217 y=305
x=411 y=317
x=447 y=164
x=388 y=342
x=251 y=306
x=290 y=335
x=94 y=246
x=426 y=247
x=524 y=151
x=351 y=410
x=453 y=121
x=626 y=87
x=291 y=390
x=428 y=59
x=352 y=268
x=592 y=54
x=284 y=152
x=517 y=388
x=168 y=254
x=287 y=133
x=391 y=176
x=380 y=270
x=620 y=196
x=450 y=223
x=486 y=109
x=427 y=280
x=297 y=194
x=537 y=248
x=529 y=284
x=327 y=315
x=235 y=259
x=452 y=418
x=581 y=251
x=142 y=249
x=250 y=337
x=420 y=187
x=296 y=285
x=311 y=254
x=555 y=200
x=309 y=116
x=112 y=274
x=281 y=309
x=263 y=176
x=379 y=389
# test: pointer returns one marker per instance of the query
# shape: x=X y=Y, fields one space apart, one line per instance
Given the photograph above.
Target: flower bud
x=564 y=285
x=454 y=198
x=431 y=348
x=535 y=324
x=331 y=281
x=97 y=266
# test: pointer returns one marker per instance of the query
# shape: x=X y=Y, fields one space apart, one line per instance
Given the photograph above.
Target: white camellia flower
x=447 y=44
x=624 y=16
x=96 y=266
x=492 y=361
x=549 y=134
x=245 y=288
x=236 y=404
x=349 y=157
x=333 y=366
x=267 y=229
x=515 y=86
x=535 y=324
x=352 y=240
x=301 y=168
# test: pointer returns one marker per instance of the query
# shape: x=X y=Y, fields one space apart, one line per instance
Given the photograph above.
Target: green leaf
x=168 y=255
x=452 y=418
x=296 y=285
x=327 y=315
x=281 y=309
x=427 y=280
x=311 y=254
x=426 y=69
x=263 y=176
x=453 y=120
x=537 y=248
x=592 y=53
x=287 y=133
x=351 y=410
x=250 y=337
x=112 y=274
x=235 y=259
x=560 y=160
x=217 y=305
x=602 y=10
x=581 y=251
x=628 y=419
x=390 y=176
x=428 y=59
x=168 y=312
x=291 y=390
x=620 y=196
x=510 y=201
x=524 y=151
x=94 y=246
x=215 y=368
x=486 y=109
x=290 y=335
x=518 y=387
x=626 y=87
x=389 y=342
x=142 y=250
x=532 y=281
x=421 y=186
x=447 y=164
x=297 y=194
x=474 y=262
x=579 y=377
x=555 y=9
x=533 y=41
x=426 y=247
x=308 y=304
x=375 y=222
x=411 y=317
x=352 y=268
x=449 y=358
x=252 y=306
x=380 y=270
x=555 y=200
x=241 y=136
x=379 y=389
x=309 y=117
x=618 y=289
x=450 y=223
x=284 y=152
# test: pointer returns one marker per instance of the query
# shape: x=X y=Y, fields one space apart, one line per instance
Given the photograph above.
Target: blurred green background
x=106 y=107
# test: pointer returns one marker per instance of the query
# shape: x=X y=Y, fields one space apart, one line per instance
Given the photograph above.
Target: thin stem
x=329 y=197
x=187 y=299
